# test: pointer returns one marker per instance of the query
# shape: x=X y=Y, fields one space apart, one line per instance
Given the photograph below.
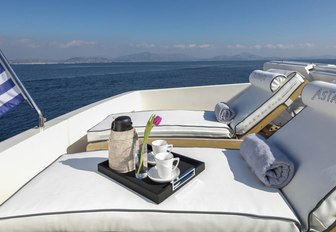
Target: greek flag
x=10 y=95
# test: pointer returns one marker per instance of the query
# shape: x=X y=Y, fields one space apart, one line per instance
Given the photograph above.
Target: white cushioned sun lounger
x=308 y=140
x=181 y=123
x=256 y=107
x=70 y=195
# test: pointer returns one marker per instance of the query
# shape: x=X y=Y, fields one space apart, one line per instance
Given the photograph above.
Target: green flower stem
x=148 y=129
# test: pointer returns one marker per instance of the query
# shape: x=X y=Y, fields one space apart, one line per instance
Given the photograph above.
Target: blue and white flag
x=10 y=95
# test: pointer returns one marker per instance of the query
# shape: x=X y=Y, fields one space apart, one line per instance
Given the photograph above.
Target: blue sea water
x=61 y=88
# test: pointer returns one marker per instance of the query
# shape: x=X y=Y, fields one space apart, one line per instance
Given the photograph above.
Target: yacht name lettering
x=325 y=95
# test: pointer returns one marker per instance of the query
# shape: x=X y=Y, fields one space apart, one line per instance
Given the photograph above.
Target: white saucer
x=151 y=158
x=154 y=176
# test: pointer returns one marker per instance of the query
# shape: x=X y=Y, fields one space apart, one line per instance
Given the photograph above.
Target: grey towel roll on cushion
x=267 y=162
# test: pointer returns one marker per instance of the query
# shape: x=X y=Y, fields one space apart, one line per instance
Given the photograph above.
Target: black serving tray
x=157 y=192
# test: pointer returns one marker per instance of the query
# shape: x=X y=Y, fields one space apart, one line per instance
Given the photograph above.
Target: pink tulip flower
x=157 y=120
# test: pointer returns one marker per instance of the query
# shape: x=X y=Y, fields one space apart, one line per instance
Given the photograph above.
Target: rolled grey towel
x=269 y=164
x=224 y=113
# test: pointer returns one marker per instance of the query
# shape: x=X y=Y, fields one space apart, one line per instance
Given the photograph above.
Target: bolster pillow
x=321 y=96
x=265 y=80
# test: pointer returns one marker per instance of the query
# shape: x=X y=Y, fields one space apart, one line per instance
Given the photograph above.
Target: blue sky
x=62 y=29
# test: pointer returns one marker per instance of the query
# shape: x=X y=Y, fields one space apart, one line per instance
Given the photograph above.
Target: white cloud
x=182 y=46
x=143 y=45
x=28 y=43
x=279 y=46
x=307 y=45
x=270 y=46
x=290 y=46
x=75 y=43
x=237 y=46
x=257 y=46
x=205 y=45
x=191 y=46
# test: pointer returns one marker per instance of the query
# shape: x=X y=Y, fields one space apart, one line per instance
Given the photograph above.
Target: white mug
x=159 y=146
x=165 y=164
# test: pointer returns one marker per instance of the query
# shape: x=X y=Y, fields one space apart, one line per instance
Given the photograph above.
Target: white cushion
x=253 y=106
x=320 y=96
x=308 y=140
x=281 y=71
x=324 y=72
x=268 y=81
x=71 y=195
x=175 y=123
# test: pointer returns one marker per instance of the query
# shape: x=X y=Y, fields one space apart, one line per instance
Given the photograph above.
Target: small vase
x=140 y=162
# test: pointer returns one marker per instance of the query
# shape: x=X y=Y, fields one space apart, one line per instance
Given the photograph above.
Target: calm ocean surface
x=61 y=88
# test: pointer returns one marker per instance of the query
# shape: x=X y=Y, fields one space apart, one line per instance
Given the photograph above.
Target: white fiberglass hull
x=28 y=153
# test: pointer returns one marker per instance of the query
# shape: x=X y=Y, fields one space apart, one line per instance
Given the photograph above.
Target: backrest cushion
x=254 y=104
x=268 y=81
x=324 y=72
x=281 y=71
x=308 y=140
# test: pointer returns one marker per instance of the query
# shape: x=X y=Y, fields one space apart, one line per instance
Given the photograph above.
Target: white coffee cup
x=165 y=164
x=159 y=146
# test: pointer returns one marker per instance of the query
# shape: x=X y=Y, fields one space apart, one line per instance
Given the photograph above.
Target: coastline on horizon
x=154 y=57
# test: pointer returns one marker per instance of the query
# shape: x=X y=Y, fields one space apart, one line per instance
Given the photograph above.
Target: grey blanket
x=269 y=164
x=223 y=113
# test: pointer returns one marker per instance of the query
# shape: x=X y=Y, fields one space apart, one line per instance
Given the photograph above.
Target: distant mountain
x=77 y=60
x=153 y=57
x=137 y=57
x=247 y=56
x=156 y=57
x=241 y=56
x=321 y=57
x=33 y=61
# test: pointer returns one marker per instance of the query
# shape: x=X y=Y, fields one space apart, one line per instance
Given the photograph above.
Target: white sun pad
x=175 y=123
x=71 y=195
x=308 y=140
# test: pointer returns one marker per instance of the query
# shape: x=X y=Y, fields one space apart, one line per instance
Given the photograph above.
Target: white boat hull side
x=25 y=155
